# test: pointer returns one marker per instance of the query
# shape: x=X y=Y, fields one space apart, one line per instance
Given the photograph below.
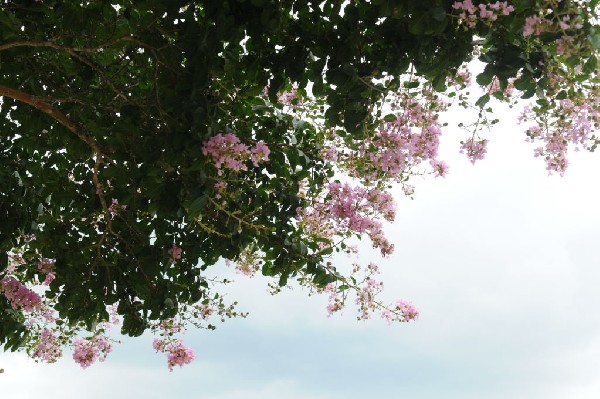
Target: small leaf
x=595 y=40
x=484 y=79
x=482 y=100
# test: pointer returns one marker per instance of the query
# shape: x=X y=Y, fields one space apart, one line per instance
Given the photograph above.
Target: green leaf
x=197 y=205
x=484 y=78
x=412 y=84
x=591 y=65
x=561 y=95
x=595 y=40
x=438 y=14
x=483 y=100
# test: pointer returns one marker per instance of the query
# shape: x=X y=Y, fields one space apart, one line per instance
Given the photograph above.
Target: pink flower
x=487 y=13
x=48 y=349
x=408 y=310
x=46 y=266
x=440 y=168
x=388 y=315
x=87 y=351
x=260 y=153
x=178 y=354
x=175 y=252
x=228 y=152
x=335 y=304
x=115 y=207
x=474 y=149
x=205 y=311
x=18 y=295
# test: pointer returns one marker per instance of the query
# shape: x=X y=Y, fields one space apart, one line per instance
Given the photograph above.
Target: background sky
x=502 y=260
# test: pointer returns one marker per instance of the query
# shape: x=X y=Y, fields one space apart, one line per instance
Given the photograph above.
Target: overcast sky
x=502 y=260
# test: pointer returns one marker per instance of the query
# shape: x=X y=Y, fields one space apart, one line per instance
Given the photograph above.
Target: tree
x=144 y=141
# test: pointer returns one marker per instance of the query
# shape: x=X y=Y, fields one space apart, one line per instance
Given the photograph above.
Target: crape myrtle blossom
x=46 y=266
x=18 y=295
x=399 y=145
x=291 y=97
x=345 y=210
x=48 y=348
x=228 y=152
x=247 y=263
x=549 y=21
x=568 y=124
x=87 y=351
x=175 y=253
x=47 y=337
x=335 y=303
x=474 y=149
x=177 y=353
x=367 y=290
x=487 y=13
x=115 y=207
x=408 y=310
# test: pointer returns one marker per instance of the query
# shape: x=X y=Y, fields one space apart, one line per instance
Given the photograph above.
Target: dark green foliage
x=149 y=81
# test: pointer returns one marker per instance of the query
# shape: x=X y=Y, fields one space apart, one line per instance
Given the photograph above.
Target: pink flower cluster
x=46 y=266
x=18 y=295
x=175 y=253
x=288 y=97
x=365 y=298
x=48 y=348
x=348 y=210
x=14 y=261
x=573 y=124
x=474 y=149
x=335 y=304
x=87 y=351
x=494 y=87
x=400 y=144
x=408 y=310
x=115 y=207
x=247 y=263
x=440 y=168
x=205 y=311
x=228 y=152
x=461 y=80
x=488 y=13
x=170 y=327
x=220 y=188
x=177 y=353
x=535 y=25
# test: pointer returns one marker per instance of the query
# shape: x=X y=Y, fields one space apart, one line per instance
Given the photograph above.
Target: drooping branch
x=64 y=120
x=54 y=112
x=50 y=44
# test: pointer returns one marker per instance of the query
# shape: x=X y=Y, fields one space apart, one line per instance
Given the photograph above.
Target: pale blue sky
x=501 y=259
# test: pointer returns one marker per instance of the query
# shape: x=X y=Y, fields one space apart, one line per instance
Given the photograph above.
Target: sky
x=501 y=259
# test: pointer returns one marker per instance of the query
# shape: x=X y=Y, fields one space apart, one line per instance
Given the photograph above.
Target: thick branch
x=54 y=112
x=64 y=120
x=53 y=45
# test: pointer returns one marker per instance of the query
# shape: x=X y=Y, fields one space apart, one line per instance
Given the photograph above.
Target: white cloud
x=501 y=259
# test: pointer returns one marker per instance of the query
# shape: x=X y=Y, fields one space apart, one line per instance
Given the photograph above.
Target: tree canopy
x=143 y=141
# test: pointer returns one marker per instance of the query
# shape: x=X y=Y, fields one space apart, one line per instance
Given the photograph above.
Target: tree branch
x=64 y=120
x=54 y=112
x=53 y=45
